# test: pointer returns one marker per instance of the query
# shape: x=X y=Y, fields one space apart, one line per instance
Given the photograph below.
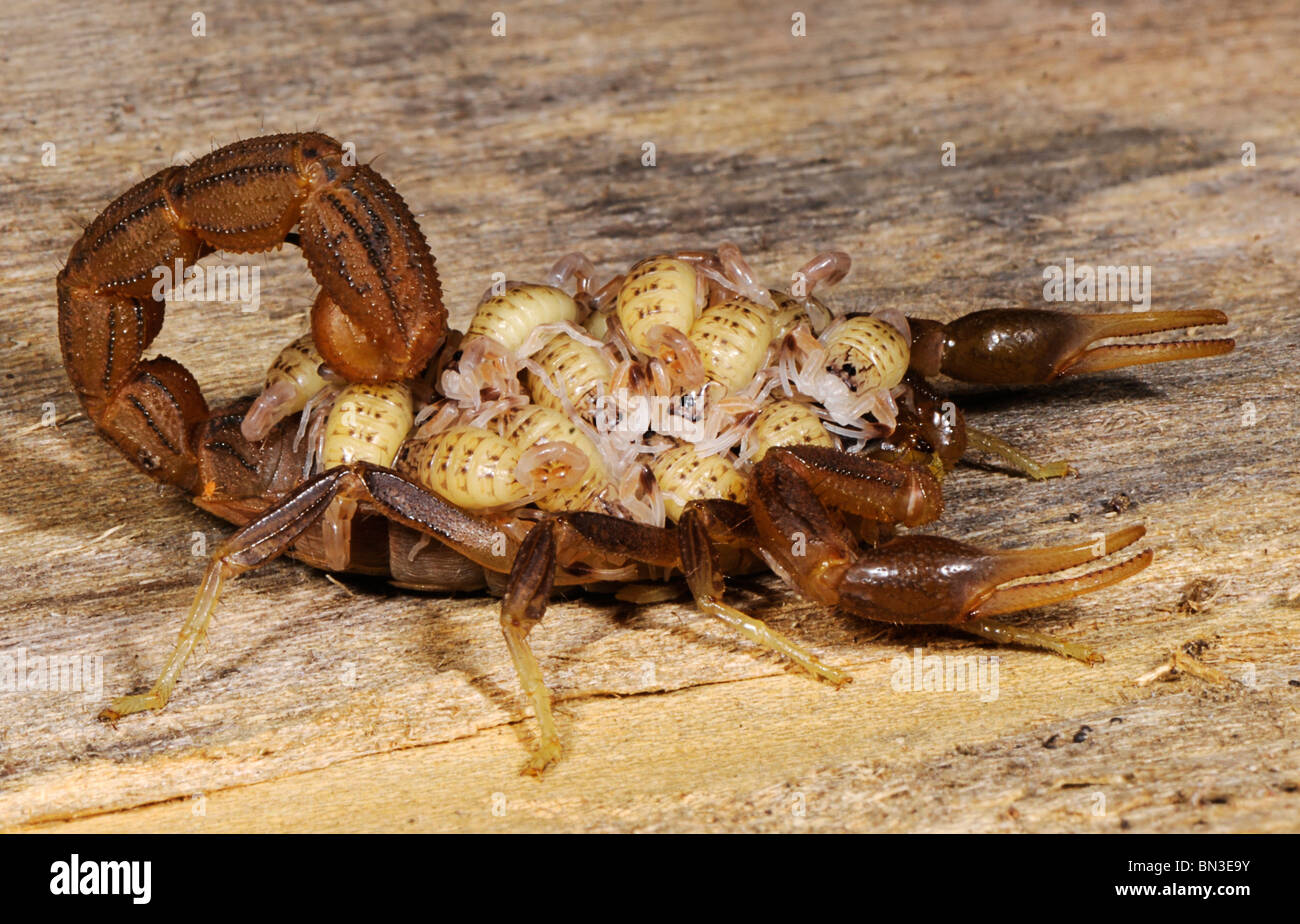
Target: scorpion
x=796 y=497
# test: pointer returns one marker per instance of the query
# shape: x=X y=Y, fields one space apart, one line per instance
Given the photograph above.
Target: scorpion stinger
x=379 y=316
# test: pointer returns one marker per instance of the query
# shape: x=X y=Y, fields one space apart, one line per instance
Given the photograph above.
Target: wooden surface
x=349 y=706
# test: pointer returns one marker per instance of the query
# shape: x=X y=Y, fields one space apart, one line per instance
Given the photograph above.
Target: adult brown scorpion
x=820 y=516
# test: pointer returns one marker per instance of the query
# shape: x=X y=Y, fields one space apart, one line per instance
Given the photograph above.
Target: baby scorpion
x=379 y=321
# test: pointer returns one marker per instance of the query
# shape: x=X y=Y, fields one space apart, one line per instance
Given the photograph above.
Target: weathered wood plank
x=320 y=707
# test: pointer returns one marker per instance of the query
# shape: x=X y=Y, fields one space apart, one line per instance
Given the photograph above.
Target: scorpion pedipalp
x=898 y=582
x=1024 y=346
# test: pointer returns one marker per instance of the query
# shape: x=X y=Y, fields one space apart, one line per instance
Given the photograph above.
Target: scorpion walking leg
x=701 y=525
x=1039 y=471
x=272 y=533
x=690 y=549
x=527 y=590
x=257 y=543
x=528 y=586
x=1031 y=638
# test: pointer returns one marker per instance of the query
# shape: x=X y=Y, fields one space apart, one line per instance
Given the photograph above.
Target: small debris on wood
x=1186 y=660
x=1163 y=672
x=1213 y=798
x=1115 y=779
x=86 y=545
x=1197 y=595
x=1120 y=503
x=890 y=793
x=1078 y=737
x=53 y=425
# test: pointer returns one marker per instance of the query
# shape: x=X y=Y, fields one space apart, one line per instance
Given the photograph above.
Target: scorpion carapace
x=678 y=421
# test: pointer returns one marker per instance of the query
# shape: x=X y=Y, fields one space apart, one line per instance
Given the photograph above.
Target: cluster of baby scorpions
x=678 y=421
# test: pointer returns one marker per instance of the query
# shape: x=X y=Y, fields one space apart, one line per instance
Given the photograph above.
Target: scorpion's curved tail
x=379 y=316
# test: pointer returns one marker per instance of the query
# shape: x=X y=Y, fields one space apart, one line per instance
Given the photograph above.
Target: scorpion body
x=498 y=488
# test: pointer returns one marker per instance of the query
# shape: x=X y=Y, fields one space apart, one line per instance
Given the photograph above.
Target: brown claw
x=1032 y=562
x=1017 y=346
x=930 y=580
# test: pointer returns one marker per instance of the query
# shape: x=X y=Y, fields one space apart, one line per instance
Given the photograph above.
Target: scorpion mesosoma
x=379 y=319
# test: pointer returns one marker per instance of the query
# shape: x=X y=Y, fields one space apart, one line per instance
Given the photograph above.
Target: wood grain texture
x=351 y=706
